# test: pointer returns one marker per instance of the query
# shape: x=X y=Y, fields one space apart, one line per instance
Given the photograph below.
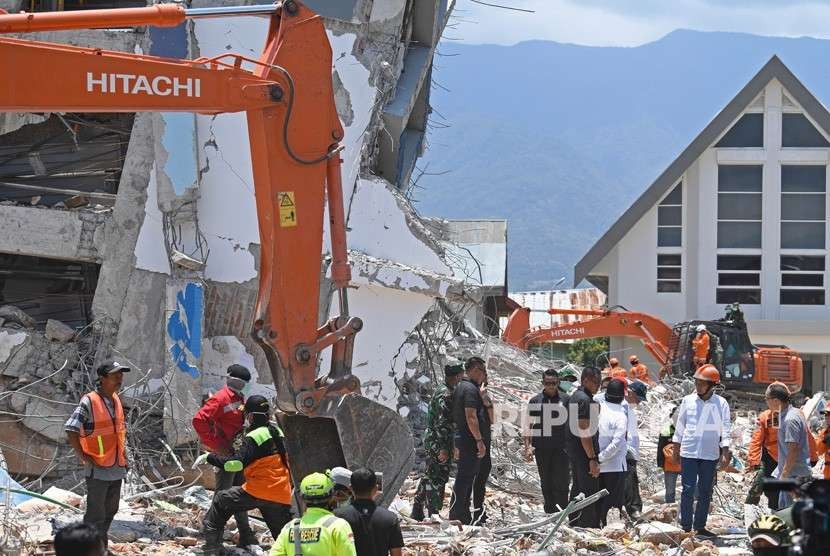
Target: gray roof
x=774 y=69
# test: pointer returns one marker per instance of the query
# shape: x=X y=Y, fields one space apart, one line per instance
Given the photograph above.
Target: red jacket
x=219 y=420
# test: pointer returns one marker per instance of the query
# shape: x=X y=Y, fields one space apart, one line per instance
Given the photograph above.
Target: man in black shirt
x=546 y=439
x=583 y=444
x=377 y=531
x=472 y=414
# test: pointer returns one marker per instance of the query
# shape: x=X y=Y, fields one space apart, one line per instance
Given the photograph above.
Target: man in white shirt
x=613 y=445
x=636 y=394
x=700 y=441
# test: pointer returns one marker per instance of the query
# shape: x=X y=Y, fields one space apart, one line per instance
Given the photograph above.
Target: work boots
x=213 y=544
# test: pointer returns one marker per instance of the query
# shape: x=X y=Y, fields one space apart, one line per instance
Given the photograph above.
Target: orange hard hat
x=613 y=361
x=709 y=373
x=633 y=358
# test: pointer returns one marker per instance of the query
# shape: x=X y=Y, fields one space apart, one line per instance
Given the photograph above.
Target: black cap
x=615 y=391
x=111 y=366
x=452 y=370
x=257 y=404
x=640 y=389
x=239 y=371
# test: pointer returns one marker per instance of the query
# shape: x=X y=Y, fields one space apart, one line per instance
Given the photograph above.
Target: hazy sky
x=633 y=22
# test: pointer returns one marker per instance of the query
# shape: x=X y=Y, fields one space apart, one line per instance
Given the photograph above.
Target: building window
x=802 y=280
x=670 y=219
x=747 y=132
x=739 y=279
x=797 y=131
x=739 y=206
x=49 y=288
x=803 y=193
x=669 y=268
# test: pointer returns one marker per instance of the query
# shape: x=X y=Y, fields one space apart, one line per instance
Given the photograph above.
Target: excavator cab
x=743 y=365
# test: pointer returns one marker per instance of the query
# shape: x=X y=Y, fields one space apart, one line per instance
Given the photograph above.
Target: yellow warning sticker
x=288 y=210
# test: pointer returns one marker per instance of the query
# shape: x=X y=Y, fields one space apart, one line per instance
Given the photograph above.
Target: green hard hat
x=567 y=373
x=316 y=485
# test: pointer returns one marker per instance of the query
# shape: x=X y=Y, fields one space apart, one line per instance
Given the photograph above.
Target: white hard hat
x=701 y=327
x=341 y=476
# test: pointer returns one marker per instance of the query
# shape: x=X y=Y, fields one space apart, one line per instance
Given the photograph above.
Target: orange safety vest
x=267 y=478
x=105 y=443
x=669 y=465
x=701 y=346
x=640 y=372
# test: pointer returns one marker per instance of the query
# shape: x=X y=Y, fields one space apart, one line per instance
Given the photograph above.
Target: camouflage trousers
x=431 y=488
x=757 y=488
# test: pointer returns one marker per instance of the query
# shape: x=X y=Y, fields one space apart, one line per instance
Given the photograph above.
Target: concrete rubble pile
x=164 y=517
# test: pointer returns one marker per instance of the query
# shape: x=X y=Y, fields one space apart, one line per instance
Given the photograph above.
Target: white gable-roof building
x=740 y=215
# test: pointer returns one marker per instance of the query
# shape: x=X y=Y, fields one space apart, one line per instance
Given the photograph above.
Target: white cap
x=341 y=476
x=701 y=327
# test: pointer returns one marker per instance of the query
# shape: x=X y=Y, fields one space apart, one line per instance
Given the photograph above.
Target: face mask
x=246 y=389
x=236 y=384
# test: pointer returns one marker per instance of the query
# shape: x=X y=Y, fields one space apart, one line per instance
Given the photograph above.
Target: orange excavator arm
x=653 y=332
x=294 y=130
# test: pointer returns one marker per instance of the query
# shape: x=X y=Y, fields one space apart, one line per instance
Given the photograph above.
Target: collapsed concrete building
x=134 y=235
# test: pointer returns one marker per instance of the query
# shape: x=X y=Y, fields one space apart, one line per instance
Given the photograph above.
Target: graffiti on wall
x=184 y=327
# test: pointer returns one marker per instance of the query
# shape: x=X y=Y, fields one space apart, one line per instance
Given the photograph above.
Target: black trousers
x=583 y=482
x=555 y=476
x=224 y=481
x=102 y=499
x=233 y=500
x=480 y=488
x=468 y=468
x=633 y=502
x=614 y=483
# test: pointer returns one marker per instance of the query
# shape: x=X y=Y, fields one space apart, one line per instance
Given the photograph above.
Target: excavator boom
x=653 y=332
x=294 y=131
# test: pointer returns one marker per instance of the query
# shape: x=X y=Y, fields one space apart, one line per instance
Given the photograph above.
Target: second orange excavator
x=744 y=366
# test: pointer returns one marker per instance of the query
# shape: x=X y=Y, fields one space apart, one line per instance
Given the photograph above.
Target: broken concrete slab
x=16 y=315
x=658 y=532
x=47 y=418
x=9 y=343
x=58 y=331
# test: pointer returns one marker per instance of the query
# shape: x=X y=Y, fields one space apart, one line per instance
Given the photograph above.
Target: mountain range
x=560 y=139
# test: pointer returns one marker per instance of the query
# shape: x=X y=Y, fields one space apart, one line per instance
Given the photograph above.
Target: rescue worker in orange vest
x=267 y=485
x=700 y=344
x=97 y=432
x=823 y=441
x=613 y=370
x=639 y=371
x=763 y=457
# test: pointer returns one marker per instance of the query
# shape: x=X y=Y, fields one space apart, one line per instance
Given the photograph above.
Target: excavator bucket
x=354 y=432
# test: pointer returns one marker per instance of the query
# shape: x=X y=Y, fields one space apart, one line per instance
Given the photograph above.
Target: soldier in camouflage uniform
x=437 y=446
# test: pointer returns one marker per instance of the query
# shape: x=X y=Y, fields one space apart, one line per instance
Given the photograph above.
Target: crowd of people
x=583 y=436
x=248 y=451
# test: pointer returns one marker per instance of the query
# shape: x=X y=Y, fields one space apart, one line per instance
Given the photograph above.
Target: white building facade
x=739 y=216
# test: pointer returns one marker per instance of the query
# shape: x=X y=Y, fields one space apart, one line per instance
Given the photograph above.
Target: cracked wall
x=187 y=187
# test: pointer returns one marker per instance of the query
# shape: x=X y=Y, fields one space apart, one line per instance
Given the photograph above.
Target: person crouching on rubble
x=701 y=444
x=665 y=458
x=613 y=445
x=97 y=432
x=217 y=423
x=267 y=484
